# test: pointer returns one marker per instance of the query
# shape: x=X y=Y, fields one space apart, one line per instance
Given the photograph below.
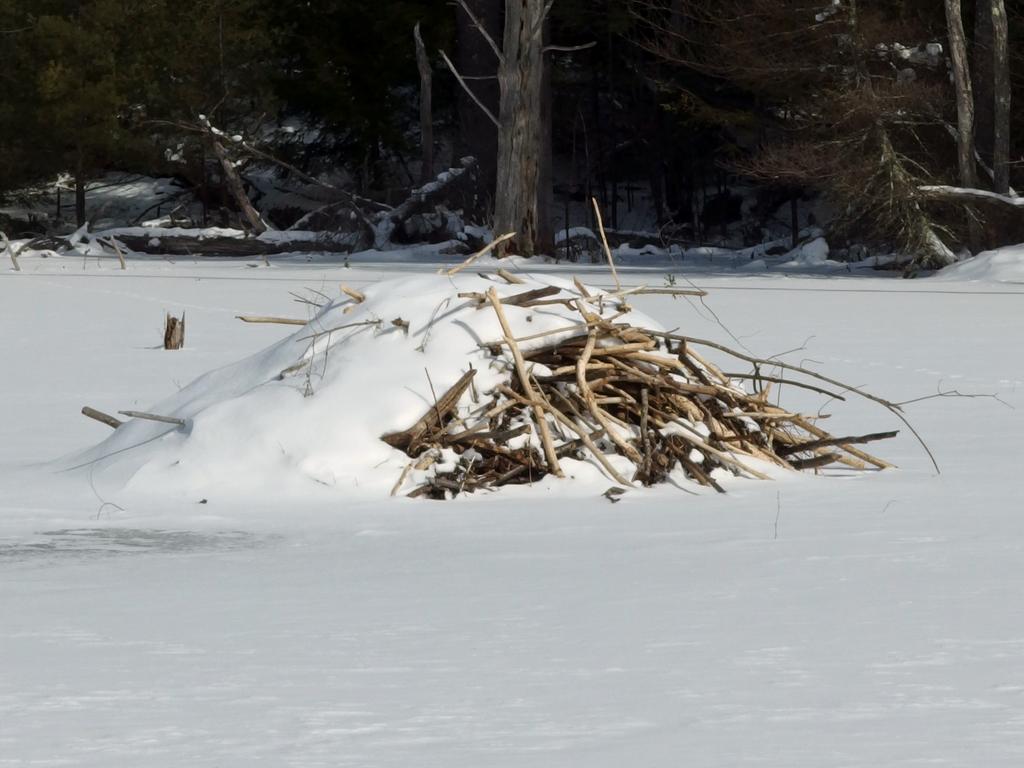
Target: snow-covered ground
x=874 y=619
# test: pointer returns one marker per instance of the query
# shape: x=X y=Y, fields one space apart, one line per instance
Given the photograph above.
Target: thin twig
x=482 y=252
x=604 y=242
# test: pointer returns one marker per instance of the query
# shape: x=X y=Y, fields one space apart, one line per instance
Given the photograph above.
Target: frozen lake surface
x=814 y=621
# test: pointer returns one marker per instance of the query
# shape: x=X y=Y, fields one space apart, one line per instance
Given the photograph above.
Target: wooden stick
x=153 y=417
x=789 y=382
x=556 y=331
x=818 y=461
x=604 y=241
x=118 y=251
x=526 y=297
x=524 y=380
x=581 y=287
x=482 y=252
x=357 y=296
x=103 y=418
x=509 y=278
x=894 y=408
x=271 y=320
x=431 y=420
x=827 y=442
x=423 y=462
x=671 y=292
x=588 y=396
x=576 y=427
x=862 y=455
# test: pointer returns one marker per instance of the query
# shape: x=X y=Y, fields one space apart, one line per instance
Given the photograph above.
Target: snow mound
x=307 y=414
x=1004 y=265
x=813 y=253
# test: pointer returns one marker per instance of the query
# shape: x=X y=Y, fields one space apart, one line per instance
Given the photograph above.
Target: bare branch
x=569 y=48
x=469 y=90
x=964 y=193
x=482 y=30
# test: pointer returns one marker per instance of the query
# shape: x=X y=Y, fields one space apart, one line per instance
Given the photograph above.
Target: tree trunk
x=520 y=79
x=546 y=181
x=235 y=186
x=964 y=96
x=426 y=109
x=477 y=134
x=1001 y=86
x=982 y=78
x=80 y=198
x=794 y=220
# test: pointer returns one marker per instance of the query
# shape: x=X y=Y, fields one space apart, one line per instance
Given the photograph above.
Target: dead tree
x=982 y=80
x=964 y=95
x=233 y=180
x=1002 y=88
x=426 y=108
x=519 y=119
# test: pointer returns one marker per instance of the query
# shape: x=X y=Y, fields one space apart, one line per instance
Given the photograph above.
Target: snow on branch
x=966 y=193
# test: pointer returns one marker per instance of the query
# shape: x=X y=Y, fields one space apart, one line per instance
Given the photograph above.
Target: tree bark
x=1001 y=86
x=546 y=181
x=982 y=78
x=520 y=79
x=426 y=109
x=964 y=94
x=235 y=185
x=80 y=218
x=476 y=62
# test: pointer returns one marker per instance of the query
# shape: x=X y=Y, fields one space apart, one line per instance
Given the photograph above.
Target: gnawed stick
x=271 y=320
x=420 y=464
x=524 y=380
x=577 y=427
x=432 y=420
x=101 y=417
x=509 y=278
x=153 y=417
x=357 y=296
x=516 y=300
x=588 y=396
x=818 y=461
x=670 y=292
x=482 y=252
x=862 y=455
x=827 y=442
x=892 y=407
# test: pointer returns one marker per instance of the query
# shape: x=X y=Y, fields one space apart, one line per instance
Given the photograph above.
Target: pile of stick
x=604 y=389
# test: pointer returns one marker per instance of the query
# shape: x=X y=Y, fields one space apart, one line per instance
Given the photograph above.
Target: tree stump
x=174 y=332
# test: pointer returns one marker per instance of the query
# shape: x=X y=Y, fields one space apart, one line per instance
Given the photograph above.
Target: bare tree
x=964 y=94
x=982 y=79
x=519 y=120
x=1001 y=87
x=426 y=108
x=520 y=140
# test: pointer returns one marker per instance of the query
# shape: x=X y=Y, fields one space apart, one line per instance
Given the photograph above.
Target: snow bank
x=310 y=410
x=1004 y=265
